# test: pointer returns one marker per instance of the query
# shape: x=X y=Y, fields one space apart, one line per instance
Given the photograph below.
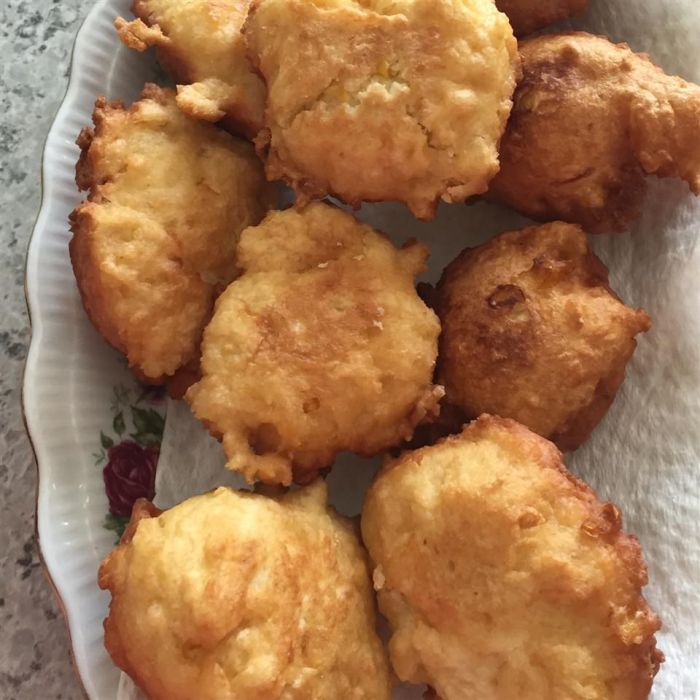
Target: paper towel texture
x=645 y=455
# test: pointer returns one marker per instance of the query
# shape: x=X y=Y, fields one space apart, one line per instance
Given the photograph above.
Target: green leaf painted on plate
x=147 y=423
x=121 y=397
x=146 y=439
x=106 y=441
x=118 y=424
x=116 y=523
x=151 y=393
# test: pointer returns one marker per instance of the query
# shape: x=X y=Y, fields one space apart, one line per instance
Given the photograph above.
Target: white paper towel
x=645 y=455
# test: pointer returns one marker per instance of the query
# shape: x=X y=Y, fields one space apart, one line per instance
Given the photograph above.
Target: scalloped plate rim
x=53 y=574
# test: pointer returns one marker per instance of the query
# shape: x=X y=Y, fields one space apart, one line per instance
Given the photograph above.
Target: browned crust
x=571 y=433
x=604 y=524
x=142 y=510
x=581 y=425
x=96 y=303
x=176 y=65
x=309 y=186
x=623 y=199
x=83 y=169
x=173 y=62
x=104 y=108
x=84 y=264
x=624 y=118
x=189 y=374
x=449 y=421
x=109 y=578
x=307 y=189
x=80 y=247
x=81 y=222
x=527 y=16
x=596 y=271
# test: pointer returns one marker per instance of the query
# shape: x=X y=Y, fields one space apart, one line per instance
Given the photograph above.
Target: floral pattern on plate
x=129 y=450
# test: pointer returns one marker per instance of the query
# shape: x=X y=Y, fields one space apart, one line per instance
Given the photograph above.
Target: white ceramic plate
x=71 y=375
x=80 y=399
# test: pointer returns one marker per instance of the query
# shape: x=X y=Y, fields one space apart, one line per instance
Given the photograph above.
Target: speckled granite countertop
x=36 y=37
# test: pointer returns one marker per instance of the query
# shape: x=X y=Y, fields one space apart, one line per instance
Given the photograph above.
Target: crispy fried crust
x=168 y=197
x=527 y=16
x=590 y=119
x=503 y=576
x=199 y=43
x=532 y=331
x=381 y=101
x=232 y=595
x=136 y=290
x=307 y=353
x=142 y=510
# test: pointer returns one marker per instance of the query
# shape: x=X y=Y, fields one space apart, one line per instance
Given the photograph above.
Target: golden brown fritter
x=590 y=118
x=233 y=596
x=527 y=16
x=156 y=240
x=200 y=44
x=532 y=331
x=502 y=576
x=322 y=345
x=379 y=100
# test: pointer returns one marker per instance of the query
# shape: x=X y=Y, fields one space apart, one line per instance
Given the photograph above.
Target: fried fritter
x=590 y=118
x=322 y=345
x=157 y=237
x=199 y=43
x=233 y=596
x=527 y=16
x=532 y=331
x=502 y=576
x=376 y=101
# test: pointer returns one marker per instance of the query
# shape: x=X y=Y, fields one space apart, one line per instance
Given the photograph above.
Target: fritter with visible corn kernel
x=379 y=100
x=532 y=331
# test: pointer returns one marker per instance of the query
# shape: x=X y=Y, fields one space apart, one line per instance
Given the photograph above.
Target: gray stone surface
x=36 y=37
